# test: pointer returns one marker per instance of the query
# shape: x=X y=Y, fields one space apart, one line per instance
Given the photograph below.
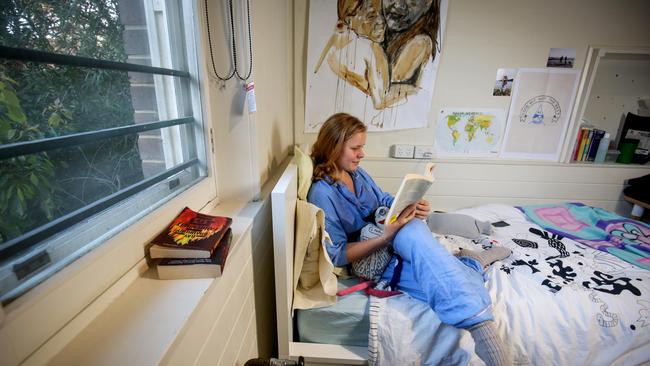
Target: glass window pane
x=111 y=30
x=58 y=100
x=134 y=172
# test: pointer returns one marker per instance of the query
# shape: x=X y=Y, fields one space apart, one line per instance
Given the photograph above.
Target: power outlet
x=402 y=151
x=423 y=152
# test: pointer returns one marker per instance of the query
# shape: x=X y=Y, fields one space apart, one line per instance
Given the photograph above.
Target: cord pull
x=250 y=97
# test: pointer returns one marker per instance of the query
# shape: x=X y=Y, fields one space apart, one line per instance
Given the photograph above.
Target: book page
x=411 y=190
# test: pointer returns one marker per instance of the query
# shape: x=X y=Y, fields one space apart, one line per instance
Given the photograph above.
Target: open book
x=412 y=189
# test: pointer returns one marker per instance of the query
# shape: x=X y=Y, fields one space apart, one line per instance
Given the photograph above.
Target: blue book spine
x=593 y=149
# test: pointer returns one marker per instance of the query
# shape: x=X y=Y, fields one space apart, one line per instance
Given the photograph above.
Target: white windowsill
x=137 y=320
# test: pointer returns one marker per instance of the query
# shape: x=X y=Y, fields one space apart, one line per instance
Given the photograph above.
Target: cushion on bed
x=309 y=273
x=313 y=277
x=305 y=171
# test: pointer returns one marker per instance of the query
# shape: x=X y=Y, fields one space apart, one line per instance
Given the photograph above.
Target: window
x=100 y=122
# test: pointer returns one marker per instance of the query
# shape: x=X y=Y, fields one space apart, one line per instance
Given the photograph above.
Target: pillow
x=305 y=171
x=314 y=282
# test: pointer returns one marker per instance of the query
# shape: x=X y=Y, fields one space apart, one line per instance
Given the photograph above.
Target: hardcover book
x=412 y=189
x=190 y=235
x=181 y=268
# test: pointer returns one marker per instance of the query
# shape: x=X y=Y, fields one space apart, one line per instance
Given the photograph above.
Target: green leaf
x=11 y=99
x=19 y=193
x=16 y=114
x=33 y=179
x=4 y=128
x=54 y=120
x=16 y=206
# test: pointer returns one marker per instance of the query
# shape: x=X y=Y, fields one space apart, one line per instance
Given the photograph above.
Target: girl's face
x=402 y=14
x=368 y=21
x=352 y=152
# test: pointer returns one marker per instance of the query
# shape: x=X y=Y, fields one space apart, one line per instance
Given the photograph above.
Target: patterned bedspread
x=557 y=301
x=600 y=229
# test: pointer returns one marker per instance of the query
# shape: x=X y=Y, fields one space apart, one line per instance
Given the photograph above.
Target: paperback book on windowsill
x=190 y=235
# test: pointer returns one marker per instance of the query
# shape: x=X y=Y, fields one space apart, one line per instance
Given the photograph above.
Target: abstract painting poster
x=374 y=60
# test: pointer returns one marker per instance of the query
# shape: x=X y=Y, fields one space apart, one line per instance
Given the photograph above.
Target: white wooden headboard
x=283 y=208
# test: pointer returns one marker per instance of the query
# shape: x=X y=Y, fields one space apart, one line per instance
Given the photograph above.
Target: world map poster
x=469 y=131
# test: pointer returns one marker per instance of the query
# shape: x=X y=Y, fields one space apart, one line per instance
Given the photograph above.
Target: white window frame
x=32 y=319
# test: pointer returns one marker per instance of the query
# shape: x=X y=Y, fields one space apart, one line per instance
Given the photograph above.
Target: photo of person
x=504 y=80
x=561 y=57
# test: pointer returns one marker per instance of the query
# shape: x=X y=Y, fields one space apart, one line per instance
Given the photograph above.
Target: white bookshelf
x=613 y=82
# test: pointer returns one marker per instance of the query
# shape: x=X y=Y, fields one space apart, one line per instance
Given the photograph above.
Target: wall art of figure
x=384 y=49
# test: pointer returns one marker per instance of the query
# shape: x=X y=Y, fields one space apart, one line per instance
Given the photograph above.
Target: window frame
x=36 y=316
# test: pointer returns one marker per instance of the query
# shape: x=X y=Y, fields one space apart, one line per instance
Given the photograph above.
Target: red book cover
x=190 y=235
x=576 y=148
x=179 y=268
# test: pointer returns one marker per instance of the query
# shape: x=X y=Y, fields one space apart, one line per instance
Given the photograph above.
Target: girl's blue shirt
x=345 y=211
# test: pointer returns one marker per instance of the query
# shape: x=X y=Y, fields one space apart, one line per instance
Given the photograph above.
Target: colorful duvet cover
x=600 y=229
x=557 y=301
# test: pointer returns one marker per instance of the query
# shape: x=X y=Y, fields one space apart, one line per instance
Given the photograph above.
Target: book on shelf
x=585 y=151
x=190 y=235
x=583 y=142
x=411 y=190
x=182 y=268
x=576 y=148
x=595 y=142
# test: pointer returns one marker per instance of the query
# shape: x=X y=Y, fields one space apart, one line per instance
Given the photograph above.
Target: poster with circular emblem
x=540 y=109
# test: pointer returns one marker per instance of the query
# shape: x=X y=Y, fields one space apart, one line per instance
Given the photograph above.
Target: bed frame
x=283 y=205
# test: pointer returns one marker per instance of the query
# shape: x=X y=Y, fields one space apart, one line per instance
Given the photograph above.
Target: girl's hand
x=390 y=230
x=422 y=209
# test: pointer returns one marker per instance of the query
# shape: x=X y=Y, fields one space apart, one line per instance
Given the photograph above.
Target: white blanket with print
x=556 y=302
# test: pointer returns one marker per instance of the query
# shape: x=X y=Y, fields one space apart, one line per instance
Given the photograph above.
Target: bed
x=556 y=299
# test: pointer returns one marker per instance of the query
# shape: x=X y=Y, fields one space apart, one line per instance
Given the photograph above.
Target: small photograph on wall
x=469 y=131
x=503 y=84
x=374 y=59
x=561 y=57
x=539 y=113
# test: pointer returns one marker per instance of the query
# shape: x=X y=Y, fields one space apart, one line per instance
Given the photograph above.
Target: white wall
x=241 y=169
x=480 y=37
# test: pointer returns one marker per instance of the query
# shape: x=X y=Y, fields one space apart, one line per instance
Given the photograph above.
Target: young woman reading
x=452 y=286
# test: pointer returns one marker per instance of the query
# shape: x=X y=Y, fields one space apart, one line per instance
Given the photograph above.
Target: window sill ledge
x=140 y=322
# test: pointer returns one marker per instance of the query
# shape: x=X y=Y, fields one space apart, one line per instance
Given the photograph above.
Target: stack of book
x=194 y=245
x=587 y=143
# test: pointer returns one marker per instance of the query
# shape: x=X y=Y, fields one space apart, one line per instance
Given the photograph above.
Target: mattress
x=344 y=323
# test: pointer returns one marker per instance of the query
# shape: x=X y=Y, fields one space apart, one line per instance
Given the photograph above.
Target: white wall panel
x=473 y=182
x=207 y=331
